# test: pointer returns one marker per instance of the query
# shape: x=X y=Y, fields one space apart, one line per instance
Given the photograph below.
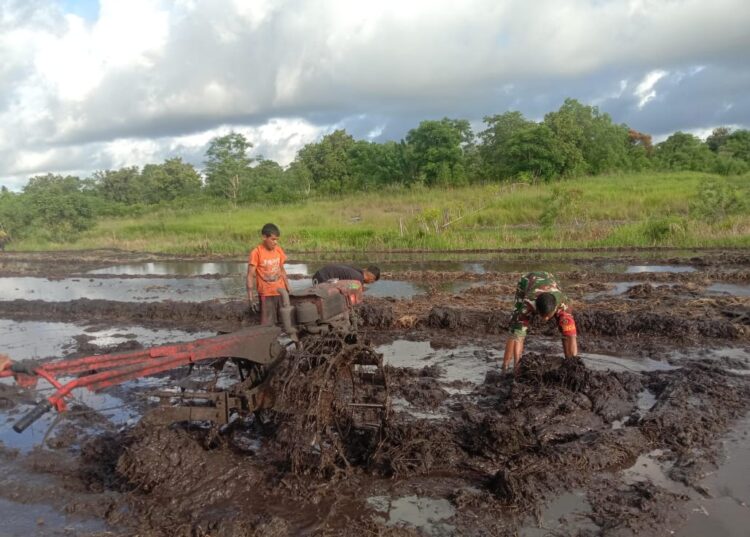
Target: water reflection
x=427 y=514
x=129 y=289
x=467 y=363
x=729 y=289
x=637 y=269
x=189 y=268
x=35 y=339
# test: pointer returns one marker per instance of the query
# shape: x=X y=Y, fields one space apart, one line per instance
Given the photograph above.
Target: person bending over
x=538 y=293
x=345 y=272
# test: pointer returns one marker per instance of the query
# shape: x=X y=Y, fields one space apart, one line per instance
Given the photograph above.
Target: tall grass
x=604 y=211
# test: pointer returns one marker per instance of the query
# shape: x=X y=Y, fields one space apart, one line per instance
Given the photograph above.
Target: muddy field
x=647 y=434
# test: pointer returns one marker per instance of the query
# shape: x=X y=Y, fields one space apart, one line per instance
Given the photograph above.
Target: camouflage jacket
x=529 y=287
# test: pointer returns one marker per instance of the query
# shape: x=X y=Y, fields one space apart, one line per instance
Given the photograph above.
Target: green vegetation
x=685 y=209
x=573 y=179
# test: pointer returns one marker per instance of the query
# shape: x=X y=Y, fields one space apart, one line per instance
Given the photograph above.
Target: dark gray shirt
x=340 y=272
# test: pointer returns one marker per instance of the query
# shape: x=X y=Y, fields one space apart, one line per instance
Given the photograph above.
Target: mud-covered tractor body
x=257 y=353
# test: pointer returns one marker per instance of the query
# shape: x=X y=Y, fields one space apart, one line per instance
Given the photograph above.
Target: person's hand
x=254 y=306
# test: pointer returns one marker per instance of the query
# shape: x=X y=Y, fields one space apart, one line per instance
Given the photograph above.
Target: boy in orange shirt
x=266 y=275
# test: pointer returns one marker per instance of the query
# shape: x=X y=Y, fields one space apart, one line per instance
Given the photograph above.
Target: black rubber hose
x=39 y=410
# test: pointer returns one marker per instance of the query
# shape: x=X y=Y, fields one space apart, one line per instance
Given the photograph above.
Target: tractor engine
x=321 y=309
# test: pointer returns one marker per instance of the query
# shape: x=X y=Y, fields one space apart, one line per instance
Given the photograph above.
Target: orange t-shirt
x=268 y=269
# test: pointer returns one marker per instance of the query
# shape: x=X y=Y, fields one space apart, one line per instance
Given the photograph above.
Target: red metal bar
x=258 y=344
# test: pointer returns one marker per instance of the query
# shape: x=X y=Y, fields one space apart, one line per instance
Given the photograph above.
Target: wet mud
x=486 y=456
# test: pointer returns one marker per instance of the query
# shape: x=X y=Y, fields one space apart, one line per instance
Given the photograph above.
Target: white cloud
x=147 y=77
x=645 y=89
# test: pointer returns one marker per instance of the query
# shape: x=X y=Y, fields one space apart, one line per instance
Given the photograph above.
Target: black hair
x=545 y=304
x=270 y=229
x=375 y=271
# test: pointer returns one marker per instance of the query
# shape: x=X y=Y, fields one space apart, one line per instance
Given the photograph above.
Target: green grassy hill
x=668 y=209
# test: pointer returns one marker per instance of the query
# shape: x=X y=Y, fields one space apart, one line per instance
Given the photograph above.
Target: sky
x=87 y=85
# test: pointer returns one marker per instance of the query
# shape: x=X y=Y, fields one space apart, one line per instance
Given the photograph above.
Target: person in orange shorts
x=266 y=275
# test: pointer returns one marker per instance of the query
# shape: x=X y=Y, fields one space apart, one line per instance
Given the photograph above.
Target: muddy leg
x=513 y=351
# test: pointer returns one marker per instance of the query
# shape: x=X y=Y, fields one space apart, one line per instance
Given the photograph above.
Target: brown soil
x=496 y=451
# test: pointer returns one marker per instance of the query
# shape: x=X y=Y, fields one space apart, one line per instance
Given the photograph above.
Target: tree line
x=574 y=140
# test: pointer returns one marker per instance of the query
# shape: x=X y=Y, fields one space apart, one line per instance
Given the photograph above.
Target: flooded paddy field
x=647 y=434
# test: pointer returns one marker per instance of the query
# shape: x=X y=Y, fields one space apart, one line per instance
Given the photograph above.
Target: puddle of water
x=23 y=340
x=729 y=289
x=395 y=289
x=183 y=290
x=468 y=363
x=727 y=512
x=620 y=288
x=32 y=339
x=404 y=289
x=737 y=359
x=189 y=268
x=564 y=514
x=426 y=514
x=648 y=468
x=22 y=520
x=111 y=407
x=128 y=290
x=636 y=269
x=600 y=362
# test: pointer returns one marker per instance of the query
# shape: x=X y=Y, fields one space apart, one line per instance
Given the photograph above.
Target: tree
x=168 y=181
x=329 y=162
x=589 y=140
x=437 y=150
x=538 y=152
x=493 y=148
x=737 y=145
x=227 y=165
x=640 y=150
x=375 y=165
x=682 y=152
x=56 y=207
x=267 y=183
x=717 y=138
x=120 y=186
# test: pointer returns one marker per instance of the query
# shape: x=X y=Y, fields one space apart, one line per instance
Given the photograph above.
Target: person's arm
x=570 y=346
x=252 y=280
x=567 y=326
x=4 y=361
x=251 y=284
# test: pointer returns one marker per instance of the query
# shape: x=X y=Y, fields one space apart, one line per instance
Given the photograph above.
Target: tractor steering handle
x=37 y=412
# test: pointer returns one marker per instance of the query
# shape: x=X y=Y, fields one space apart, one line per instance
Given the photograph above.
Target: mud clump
x=416 y=448
x=185 y=315
x=328 y=414
x=632 y=509
x=525 y=479
x=420 y=387
x=694 y=404
x=375 y=315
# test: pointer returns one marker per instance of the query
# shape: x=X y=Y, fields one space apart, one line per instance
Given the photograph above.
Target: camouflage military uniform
x=531 y=286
